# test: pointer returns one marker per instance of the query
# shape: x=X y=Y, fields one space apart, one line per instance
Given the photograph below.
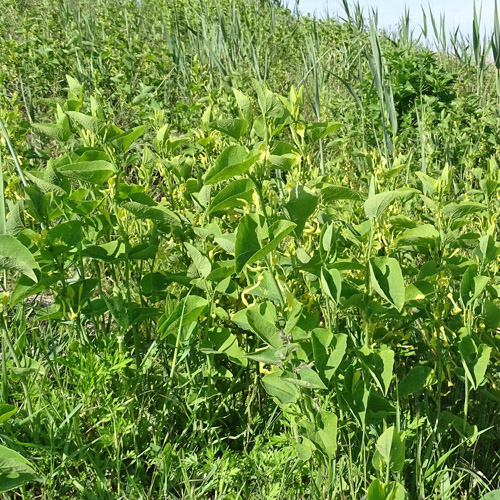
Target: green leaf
x=157 y=283
x=247 y=242
x=387 y=280
x=244 y=104
x=66 y=235
x=143 y=251
x=95 y=172
x=472 y=286
x=269 y=102
x=392 y=449
x=379 y=408
x=396 y=491
x=418 y=290
x=331 y=193
x=59 y=131
x=328 y=240
x=429 y=184
x=304 y=450
x=87 y=122
x=187 y=311
x=222 y=341
x=113 y=251
x=201 y=262
x=263 y=327
x=470 y=432
x=487 y=249
x=266 y=356
x=260 y=126
x=376 y=204
x=455 y=211
x=491 y=315
x=26 y=287
x=387 y=357
x=338 y=350
x=267 y=287
x=475 y=360
x=234 y=160
x=308 y=378
x=234 y=127
x=15 y=223
x=326 y=436
x=321 y=339
x=279 y=388
x=247 y=246
x=283 y=156
x=15 y=470
x=415 y=381
x=376 y=491
x=237 y=194
x=318 y=130
x=43 y=185
x=284 y=161
x=156 y=212
x=355 y=395
x=124 y=140
x=226 y=242
x=14 y=256
x=331 y=283
x=75 y=88
x=301 y=205
x=380 y=364
x=223 y=270
x=492 y=495
x=424 y=236
x=278 y=231
x=379 y=491
x=6 y=411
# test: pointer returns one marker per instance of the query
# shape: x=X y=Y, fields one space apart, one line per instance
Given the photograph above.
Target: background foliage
x=246 y=254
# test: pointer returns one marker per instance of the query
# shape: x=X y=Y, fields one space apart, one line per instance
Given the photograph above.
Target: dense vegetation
x=246 y=254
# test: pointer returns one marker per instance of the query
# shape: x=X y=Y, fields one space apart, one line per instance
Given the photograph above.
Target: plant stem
x=17 y=363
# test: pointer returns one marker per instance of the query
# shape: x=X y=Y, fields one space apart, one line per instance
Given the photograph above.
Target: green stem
x=258 y=187
x=439 y=354
x=13 y=153
x=177 y=342
x=17 y=362
x=2 y=200
x=367 y=285
x=466 y=403
x=5 y=385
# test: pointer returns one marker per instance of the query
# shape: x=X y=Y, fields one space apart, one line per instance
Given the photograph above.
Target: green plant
x=230 y=275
